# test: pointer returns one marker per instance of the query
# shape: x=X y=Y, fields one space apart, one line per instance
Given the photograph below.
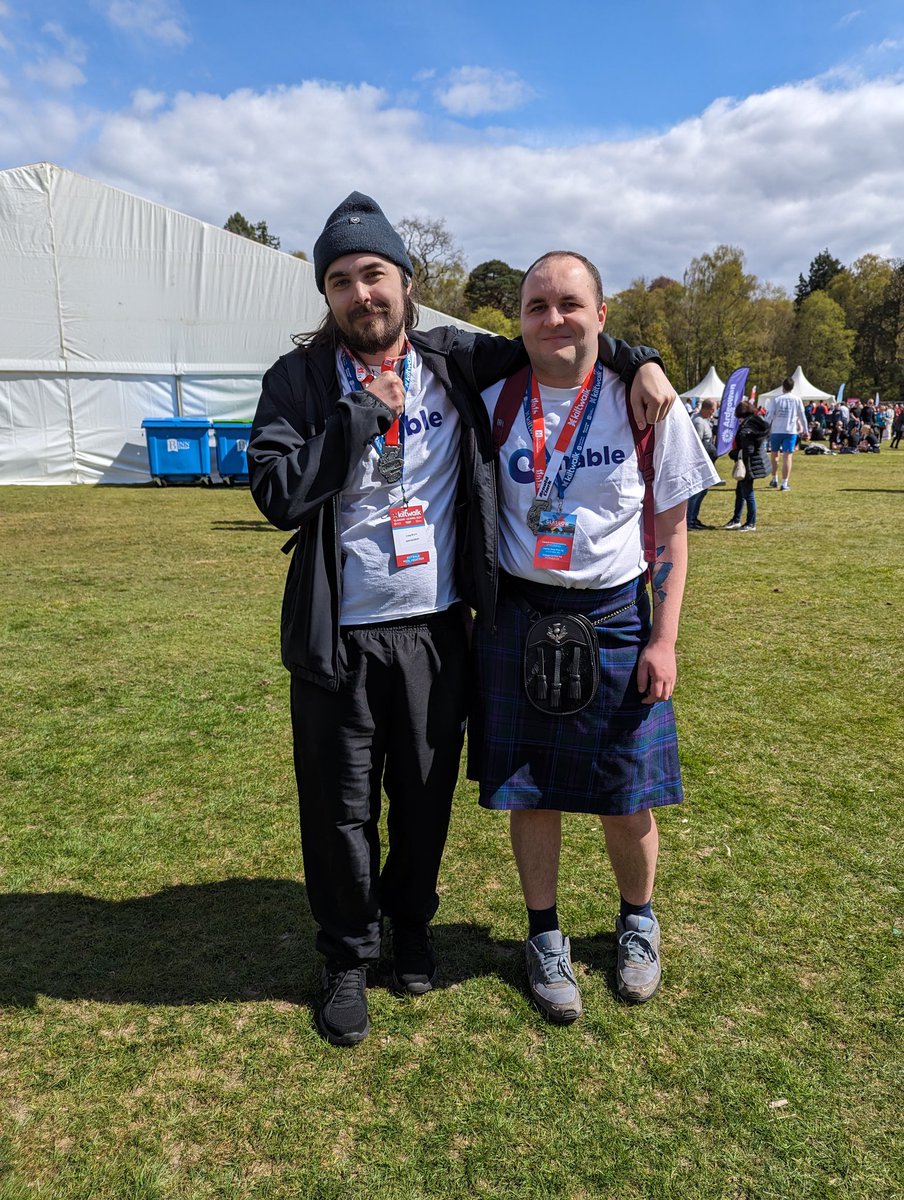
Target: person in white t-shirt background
x=617 y=757
x=787 y=421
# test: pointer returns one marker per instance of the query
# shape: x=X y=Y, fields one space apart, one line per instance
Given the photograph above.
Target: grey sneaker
x=773 y=482
x=734 y=523
x=638 y=972
x=786 y=487
x=550 y=977
x=747 y=528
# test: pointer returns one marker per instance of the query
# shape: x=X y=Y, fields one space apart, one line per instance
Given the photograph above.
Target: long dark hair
x=328 y=332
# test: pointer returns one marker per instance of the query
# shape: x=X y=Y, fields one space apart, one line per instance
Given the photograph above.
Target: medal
x=390 y=463
x=537 y=507
x=557 y=469
x=390 y=448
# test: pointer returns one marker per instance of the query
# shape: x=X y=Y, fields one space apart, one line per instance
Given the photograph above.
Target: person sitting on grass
x=750 y=447
x=869 y=443
x=838 y=437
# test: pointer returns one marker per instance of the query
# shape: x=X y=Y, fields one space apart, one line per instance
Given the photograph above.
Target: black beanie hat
x=358 y=226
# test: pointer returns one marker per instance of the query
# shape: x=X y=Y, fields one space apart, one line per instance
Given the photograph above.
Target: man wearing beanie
x=371 y=442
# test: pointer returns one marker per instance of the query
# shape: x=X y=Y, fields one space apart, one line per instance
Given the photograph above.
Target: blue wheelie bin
x=178 y=449
x=231 y=439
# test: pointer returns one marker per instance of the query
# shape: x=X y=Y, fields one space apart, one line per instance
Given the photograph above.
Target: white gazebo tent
x=710 y=387
x=113 y=309
x=802 y=388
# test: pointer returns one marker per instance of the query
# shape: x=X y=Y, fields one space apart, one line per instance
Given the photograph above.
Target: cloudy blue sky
x=642 y=134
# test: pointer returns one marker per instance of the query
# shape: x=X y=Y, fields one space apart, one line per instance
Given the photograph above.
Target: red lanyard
x=391 y=437
x=538 y=428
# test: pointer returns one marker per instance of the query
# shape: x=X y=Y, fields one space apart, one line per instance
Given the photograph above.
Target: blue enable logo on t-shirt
x=521 y=461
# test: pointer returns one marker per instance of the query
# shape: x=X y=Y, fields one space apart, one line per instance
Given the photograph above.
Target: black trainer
x=342 y=1017
x=413 y=961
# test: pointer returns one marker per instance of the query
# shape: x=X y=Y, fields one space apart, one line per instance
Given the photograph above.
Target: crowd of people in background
x=857 y=427
x=833 y=427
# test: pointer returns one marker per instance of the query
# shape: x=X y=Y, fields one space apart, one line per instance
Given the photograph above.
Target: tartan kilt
x=614 y=757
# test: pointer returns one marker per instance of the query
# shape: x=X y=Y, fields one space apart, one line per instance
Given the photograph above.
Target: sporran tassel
x=542 y=689
x=556 y=696
x=574 y=676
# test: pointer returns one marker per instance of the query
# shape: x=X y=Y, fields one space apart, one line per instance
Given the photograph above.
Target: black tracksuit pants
x=396 y=722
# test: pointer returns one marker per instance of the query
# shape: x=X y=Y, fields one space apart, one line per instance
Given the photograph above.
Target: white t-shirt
x=785 y=414
x=374 y=589
x=606 y=492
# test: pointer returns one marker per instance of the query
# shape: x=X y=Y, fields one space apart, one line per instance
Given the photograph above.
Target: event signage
x=731 y=398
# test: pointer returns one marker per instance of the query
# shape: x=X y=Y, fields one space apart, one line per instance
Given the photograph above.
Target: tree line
x=844 y=324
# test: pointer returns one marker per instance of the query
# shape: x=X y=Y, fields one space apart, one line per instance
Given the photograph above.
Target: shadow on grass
x=244 y=526
x=465 y=951
x=598 y=954
x=883 y=491
x=235 y=939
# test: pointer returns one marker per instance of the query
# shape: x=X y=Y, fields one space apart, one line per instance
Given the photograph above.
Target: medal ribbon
x=547 y=466
x=359 y=376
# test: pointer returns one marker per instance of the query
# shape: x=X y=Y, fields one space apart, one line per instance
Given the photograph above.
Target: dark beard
x=383 y=333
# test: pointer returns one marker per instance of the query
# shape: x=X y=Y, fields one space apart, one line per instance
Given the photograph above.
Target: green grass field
x=156 y=968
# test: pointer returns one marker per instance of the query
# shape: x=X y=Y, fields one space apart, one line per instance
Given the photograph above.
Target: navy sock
x=635 y=910
x=542 y=920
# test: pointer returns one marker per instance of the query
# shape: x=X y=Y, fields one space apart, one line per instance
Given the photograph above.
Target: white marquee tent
x=113 y=309
x=710 y=387
x=802 y=388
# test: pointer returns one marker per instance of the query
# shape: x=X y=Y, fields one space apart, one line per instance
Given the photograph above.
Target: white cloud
x=470 y=91
x=848 y=17
x=157 y=19
x=5 y=43
x=57 y=73
x=60 y=72
x=49 y=131
x=73 y=49
x=145 y=102
x=781 y=174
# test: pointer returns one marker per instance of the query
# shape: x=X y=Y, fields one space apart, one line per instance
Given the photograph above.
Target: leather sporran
x=561 y=663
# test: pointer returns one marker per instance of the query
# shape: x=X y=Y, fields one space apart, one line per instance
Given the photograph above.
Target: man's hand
x=657 y=671
x=651 y=394
x=389 y=388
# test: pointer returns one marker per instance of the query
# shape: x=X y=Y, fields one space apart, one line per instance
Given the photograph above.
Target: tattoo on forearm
x=659 y=575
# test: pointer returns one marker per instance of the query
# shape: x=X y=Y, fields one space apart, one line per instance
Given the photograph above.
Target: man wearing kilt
x=551 y=733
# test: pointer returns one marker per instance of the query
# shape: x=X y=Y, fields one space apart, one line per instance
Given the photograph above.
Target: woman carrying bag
x=750 y=462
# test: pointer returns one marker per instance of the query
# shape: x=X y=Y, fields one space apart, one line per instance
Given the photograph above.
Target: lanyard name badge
x=555 y=530
x=412 y=537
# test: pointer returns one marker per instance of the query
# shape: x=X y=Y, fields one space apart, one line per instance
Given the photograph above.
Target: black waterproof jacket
x=307 y=440
x=750 y=444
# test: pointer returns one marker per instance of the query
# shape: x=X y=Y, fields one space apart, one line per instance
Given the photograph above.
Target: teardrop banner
x=732 y=395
